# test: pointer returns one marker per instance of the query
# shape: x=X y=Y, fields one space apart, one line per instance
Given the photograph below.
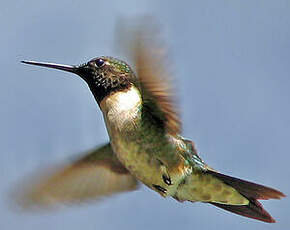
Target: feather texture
x=96 y=175
x=252 y=192
x=153 y=74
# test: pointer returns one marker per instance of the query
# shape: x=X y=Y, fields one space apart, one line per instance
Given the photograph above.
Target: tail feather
x=252 y=192
x=253 y=210
x=249 y=189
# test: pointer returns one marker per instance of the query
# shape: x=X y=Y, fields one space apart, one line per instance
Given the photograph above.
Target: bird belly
x=139 y=145
x=145 y=167
x=150 y=158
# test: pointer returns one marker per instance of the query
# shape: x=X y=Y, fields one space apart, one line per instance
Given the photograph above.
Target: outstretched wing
x=98 y=174
x=150 y=56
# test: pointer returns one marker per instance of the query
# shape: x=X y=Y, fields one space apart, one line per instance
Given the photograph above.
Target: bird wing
x=149 y=56
x=98 y=174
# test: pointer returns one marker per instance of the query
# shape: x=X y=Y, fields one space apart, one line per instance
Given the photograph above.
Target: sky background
x=231 y=61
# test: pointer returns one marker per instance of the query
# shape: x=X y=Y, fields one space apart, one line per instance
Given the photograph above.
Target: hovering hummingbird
x=145 y=144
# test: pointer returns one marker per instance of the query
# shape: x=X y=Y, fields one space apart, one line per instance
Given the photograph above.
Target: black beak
x=67 y=68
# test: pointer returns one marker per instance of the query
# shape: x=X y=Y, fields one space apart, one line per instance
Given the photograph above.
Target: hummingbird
x=145 y=143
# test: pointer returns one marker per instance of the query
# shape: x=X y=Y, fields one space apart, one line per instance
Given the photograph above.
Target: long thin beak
x=67 y=68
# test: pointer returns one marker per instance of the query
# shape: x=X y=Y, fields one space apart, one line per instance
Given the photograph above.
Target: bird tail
x=253 y=192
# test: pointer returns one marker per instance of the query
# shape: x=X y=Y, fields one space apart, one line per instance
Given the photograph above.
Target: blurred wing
x=96 y=175
x=149 y=55
x=154 y=78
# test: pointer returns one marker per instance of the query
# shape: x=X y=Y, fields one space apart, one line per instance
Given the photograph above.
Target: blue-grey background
x=231 y=64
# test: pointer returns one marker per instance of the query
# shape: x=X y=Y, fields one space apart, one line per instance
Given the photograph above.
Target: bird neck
x=122 y=109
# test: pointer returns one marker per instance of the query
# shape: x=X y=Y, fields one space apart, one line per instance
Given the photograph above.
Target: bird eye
x=100 y=62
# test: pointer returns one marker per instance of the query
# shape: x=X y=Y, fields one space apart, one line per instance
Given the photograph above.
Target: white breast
x=121 y=107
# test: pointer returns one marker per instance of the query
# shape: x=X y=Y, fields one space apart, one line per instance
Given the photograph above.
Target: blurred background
x=231 y=66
